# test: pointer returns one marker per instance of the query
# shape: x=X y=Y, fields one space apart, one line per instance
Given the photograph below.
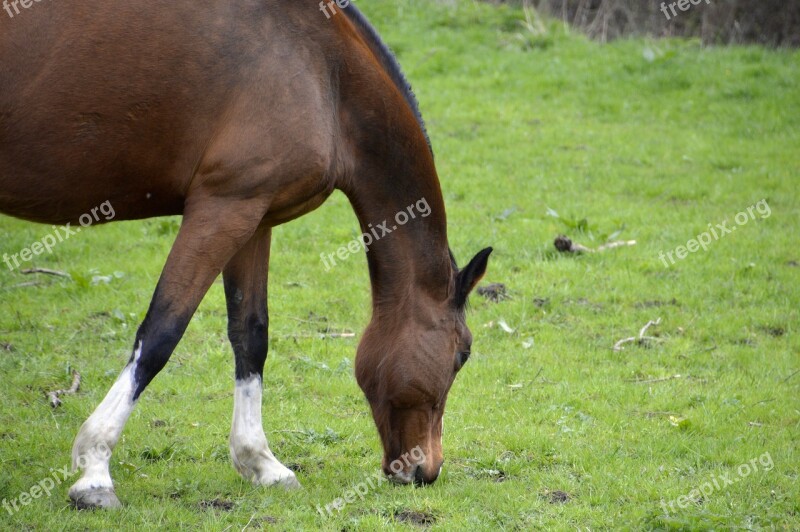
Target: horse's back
x=121 y=101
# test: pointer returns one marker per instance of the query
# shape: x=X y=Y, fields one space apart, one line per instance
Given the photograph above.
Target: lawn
x=536 y=134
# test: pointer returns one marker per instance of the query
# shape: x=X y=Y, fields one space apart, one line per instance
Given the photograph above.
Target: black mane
x=389 y=62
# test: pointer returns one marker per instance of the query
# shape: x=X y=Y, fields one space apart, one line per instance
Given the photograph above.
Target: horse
x=239 y=116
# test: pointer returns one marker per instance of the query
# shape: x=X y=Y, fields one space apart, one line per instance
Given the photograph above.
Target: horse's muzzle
x=416 y=474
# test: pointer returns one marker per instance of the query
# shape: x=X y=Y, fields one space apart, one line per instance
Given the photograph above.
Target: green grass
x=654 y=138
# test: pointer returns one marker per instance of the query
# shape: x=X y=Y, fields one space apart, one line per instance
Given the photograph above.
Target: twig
x=647 y=326
x=45 y=271
x=616 y=244
x=339 y=335
x=55 y=402
x=565 y=245
x=248 y=523
x=24 y=285
x=651 y=381
x=641 y=339
x=790 y=376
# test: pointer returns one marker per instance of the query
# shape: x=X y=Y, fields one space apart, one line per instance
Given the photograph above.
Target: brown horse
x=240 y=116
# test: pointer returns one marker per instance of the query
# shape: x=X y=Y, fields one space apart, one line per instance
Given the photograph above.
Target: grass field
x=547 y=426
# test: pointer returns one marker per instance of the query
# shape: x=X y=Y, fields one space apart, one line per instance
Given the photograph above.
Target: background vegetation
x=768 y=22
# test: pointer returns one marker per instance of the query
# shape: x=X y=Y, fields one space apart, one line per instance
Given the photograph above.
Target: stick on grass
x=45 y=271
x=641 y=339
x=55 y=402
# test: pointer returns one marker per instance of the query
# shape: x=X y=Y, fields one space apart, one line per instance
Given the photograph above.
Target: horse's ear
x=470 y=275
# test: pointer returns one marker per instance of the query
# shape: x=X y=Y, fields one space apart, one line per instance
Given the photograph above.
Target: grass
x=547 y=426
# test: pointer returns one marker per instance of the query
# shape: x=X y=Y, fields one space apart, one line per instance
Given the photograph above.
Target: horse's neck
x=399 y=205
x=391 y=181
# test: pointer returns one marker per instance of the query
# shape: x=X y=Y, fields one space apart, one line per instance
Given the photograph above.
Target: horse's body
x=239 y=116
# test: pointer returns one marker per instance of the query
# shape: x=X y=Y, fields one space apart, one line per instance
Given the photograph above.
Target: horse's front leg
x=213 y=230
x=245 y=279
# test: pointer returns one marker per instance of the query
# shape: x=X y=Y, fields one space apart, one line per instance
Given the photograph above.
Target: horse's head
x=406 y=364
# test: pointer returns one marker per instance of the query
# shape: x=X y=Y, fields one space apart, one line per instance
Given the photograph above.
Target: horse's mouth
x=415 y=474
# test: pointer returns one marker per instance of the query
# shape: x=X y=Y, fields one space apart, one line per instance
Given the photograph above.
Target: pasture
x=537 y=132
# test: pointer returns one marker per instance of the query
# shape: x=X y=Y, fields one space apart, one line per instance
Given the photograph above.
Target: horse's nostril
x=421 y=480
x=419 y=477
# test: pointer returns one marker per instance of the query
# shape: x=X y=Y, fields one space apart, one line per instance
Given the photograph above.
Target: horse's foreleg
x=245 y=279
x=211 y=233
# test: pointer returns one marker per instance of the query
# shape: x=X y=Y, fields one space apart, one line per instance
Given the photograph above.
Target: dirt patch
x=5 y=346
x=495 y=292
x=541 y=302
x=217 y=504
x=556 y=497
x=657 y=304
x=773 y=330
x=415 y=518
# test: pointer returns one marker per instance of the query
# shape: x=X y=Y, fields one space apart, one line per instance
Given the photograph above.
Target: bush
x=768 y=22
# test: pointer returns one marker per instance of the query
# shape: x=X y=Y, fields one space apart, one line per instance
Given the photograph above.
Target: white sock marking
x=99 y=434
x=250 y=452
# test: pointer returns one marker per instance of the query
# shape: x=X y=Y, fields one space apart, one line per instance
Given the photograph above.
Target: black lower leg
x=156 y=339
x=248 y=333
x=245 y=279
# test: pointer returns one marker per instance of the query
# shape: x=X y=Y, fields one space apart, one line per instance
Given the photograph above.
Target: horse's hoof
x=97 y=498
x=290 y=483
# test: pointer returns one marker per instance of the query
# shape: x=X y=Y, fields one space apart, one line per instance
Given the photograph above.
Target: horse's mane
x=388 y=61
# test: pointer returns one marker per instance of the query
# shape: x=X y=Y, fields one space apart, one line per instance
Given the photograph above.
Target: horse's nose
x=423 y=479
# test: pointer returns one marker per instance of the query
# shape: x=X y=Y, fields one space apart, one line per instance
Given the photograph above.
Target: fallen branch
x=616 y=244
x=641 y=339
x=25 y=285
x=55 y=402
x=651 y=381
x=339 y=335
x=45 y=271
x=565 y=245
